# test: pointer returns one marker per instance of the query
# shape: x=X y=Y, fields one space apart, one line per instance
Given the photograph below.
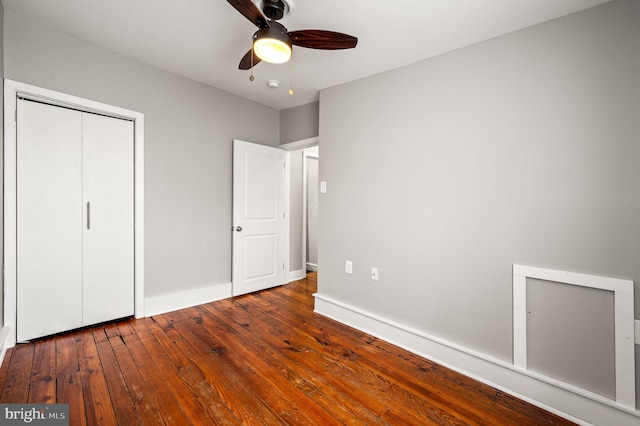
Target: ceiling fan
x=273 y=42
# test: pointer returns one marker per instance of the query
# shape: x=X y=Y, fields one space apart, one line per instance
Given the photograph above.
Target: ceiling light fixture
x=272 y=44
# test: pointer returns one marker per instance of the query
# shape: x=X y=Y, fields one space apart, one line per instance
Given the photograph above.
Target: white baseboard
x=577 y=405
x=312 y=267
x=297 y=275
x=186 y=299
x=4 y=341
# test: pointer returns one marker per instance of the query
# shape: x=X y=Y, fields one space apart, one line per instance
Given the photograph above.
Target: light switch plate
x=323 y=187
x=637 y=322
x=348 y=267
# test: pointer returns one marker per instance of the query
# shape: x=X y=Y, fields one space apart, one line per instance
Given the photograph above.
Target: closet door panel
x=108 y=236
x=49 y=220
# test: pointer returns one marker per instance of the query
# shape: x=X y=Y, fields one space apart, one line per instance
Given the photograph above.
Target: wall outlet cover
x=374 y=274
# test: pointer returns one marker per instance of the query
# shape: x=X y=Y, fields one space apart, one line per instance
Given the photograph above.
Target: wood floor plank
x=43 y=374
x=66 y=354
x=232 y=388
x=270 y=374
x=124 y=408
x=143 y=396
x=69 y=391
x=97 y=400
x=4 y=368
x=201 y=389
x=68 y=378
x=125 y=328
x=195 y=397
x=18 y=380
x=155 y=378
x=259 y=359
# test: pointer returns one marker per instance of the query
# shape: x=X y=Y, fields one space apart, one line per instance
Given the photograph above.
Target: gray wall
x=299 y=123
x=189 y=130
x=522 y=149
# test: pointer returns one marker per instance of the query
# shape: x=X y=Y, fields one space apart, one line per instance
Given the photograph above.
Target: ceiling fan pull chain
x=251 y=77
x=291 y=92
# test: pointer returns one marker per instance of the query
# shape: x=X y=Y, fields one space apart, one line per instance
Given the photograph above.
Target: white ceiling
x=204 y=40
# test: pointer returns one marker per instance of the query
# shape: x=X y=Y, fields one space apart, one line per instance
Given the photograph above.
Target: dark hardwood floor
x=262 y=359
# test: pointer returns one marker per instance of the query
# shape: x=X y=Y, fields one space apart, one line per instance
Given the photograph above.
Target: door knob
x=238 y=228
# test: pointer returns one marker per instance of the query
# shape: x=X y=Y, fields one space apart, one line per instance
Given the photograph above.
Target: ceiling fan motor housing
x=276 y=31
x=274 y=9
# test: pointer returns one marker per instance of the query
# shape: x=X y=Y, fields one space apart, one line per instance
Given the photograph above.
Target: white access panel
x=49 y=220
x=625 y=394
x=108 y=231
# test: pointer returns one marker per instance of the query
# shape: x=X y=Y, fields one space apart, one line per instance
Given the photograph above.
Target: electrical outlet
x=374 y=273
x=348 y=267
x=637 y=326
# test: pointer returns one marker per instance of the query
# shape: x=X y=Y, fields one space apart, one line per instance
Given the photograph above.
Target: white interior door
x=108 y=272
x=49 y=220
x=258 y=217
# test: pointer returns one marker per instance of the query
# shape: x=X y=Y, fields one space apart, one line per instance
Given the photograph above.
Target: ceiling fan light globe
x=272 y=44
x=272 y=50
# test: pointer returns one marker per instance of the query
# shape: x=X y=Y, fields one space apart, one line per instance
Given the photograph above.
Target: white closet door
x=108 y=275
x=49 y=220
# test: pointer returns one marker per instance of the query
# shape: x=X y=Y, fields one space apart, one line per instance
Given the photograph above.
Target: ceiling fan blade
x=321 y=39
x=245 y=62
x=250 y=11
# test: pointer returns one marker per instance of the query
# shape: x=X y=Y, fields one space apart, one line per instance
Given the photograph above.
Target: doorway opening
x=302 y=159
x=311 y=187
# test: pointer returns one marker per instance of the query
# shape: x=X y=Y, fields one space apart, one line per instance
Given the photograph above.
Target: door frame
x=13 y=90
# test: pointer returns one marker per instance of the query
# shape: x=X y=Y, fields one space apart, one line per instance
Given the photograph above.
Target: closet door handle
x=88 y=215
